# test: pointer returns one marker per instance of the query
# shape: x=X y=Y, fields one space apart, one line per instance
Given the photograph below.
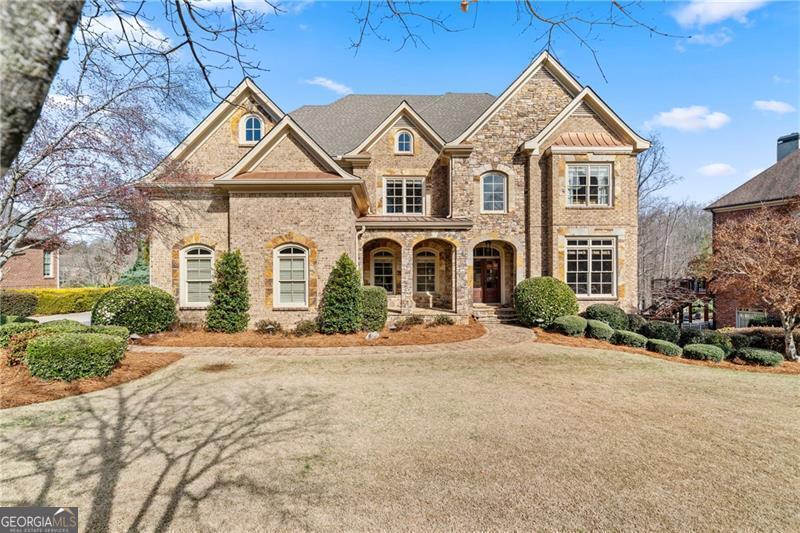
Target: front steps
x=494 y=314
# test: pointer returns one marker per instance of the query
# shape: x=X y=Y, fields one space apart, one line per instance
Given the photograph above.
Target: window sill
x=290 y=308
x=494 y=212
x=602 y=207
x=404 y=153
x=192 y=307
x=590 y=298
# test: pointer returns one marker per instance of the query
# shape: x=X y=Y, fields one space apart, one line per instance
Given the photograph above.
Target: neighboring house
x=774 y=188
x=446 y=201
x=36 y=267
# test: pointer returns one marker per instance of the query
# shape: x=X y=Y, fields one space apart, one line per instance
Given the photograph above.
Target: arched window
x=493 y=193
x=485 y=250
x=197 y=273
x=404 y=143
x=251 y=133
x=383 y=270
x=425 y=271
x=291 y=281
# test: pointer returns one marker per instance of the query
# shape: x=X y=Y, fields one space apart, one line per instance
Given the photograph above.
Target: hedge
x=141 y=309
x=665 y=331
x=60 y=301
x=17 y=303
x=70 y=356
x=571 y=325
x=610 y=314
x=768 y=338
x=9 y=330
x=230 y=299
x=115 y=331
x=720 y=340
x=375 y=308
x=691 y=336
x=342 y=308
x=597 y=329
x=663 y=347
x=10 y=319
x=629 y=338
x=65 y=326
x=18 y=344
x=539 y=301
x=758 y=356
x=703 y=352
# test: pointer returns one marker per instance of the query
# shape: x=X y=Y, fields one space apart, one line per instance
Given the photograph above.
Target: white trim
x=183 y=291
x=588 y=166
x=614 y=259
x=397 y=135
x=404 y=179
x=51 y=275
x=590 y=149
x=505 y=193
x=751 y=312
x=276 y=274
x=243 y=129
x=403 y=109
x=434 y=260
x=392 y=260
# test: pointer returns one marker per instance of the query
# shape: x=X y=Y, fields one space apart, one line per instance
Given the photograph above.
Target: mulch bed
x=787 y=367
x=20 y=388
x=415 y=335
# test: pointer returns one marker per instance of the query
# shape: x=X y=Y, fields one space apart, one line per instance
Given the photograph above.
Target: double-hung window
x=493 y=193
x=198 y=273
x=292 y=280
x=383 y=270
x=591 y=267
x=589 y=185
x=47 y=264
x=425 y=271
x=404 y=196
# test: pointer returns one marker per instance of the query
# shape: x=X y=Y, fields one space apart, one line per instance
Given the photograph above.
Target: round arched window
x=252 y=129
x=405 y=143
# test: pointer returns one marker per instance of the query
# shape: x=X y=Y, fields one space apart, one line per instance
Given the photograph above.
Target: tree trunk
x=789 y=323
x=34 y=37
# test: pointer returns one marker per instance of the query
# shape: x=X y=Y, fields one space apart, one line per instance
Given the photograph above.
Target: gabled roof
x=403 y=110
x=595 y=103
x=779 y=182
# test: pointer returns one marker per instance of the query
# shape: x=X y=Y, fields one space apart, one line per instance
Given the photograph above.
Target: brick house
x=36 y=267
x=774 y=188
x=446 y=201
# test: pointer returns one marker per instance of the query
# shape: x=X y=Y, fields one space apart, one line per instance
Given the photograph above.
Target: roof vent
x=787 y=144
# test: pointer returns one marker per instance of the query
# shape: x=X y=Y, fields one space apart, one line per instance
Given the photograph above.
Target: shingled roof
x=779 y=182
x=341 y=126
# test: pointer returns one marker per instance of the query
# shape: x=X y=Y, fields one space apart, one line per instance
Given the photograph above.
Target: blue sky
x=719 y=100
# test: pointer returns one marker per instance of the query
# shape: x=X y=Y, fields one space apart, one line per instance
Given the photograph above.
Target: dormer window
x=404 y=143
x=251 y=133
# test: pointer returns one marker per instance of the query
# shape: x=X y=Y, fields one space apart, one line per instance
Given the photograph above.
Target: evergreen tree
x=342 y=308
x=230 y=300
x=139 y=272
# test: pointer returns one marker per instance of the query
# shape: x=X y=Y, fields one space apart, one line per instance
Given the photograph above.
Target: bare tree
x=97 y=262
x=653 y=171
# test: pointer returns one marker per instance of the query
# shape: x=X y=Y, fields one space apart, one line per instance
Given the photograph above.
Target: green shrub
x=269 y=327
x=539 y=301
x=771 y=339
x=64 y=326
x=61 y=301
x=139 y=272
x=703 y=352
x=758 y=356
x=17 y=303
x=18 y=344
x=10 y=319
x=663 y=347
x=342 y=308
x=610 y=314
x=376 y=308
x=739 y=340
x=764 y=321
x=635 y=322
x=9 y=330
x=70 y=356
x=141 y=309
x=665 y=331
x=629 y=338
x=598 y=329
x=691 y=336
x=115 y=331
x=571 y=325
x=442 y=320
x=306 y=328
x=720 y=340
x=230 y=299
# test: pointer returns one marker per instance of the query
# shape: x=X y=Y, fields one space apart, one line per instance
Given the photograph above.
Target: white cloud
x=703 y=12
x=716 y=169
x=692 y=118
x=718 y=38
x=331 y=85
x=774 y=105
x=780 y=79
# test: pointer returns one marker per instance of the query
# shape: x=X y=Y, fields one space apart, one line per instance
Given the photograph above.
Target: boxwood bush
x=703 y=352
x=665 y=331
x=376 y=308
x=663 y=347
x=720 y=340
x=759 y=356
x=539 y=301
x=18 y=344
x=691 y=336
x=629 y=338
x=9 y=330
x=306 y=328
x=64 y=326
x=635 y=322
x=342 y=308
x=116 y=331
x=610 y=314
x=141 y=309
x=70 y=356
x=60 y=301
x=572 y=325
x=597 y=329
x=17 y=303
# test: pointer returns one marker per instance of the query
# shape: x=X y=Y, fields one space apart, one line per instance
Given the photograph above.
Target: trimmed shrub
x=610 y=314
x=9 y=330
x=10 y=319
x=571 y=325
x=758 y=356
x=230 y=299
x=305 y=328
x=771 y=339
x=764 y=321
x=629 y=338
x=663 y=347
x=703 y=352
x=64 y=326
x=691 y=336
x=269 y=327
x=635 y=322
x=539 y=301
x=60 y=301
x=442 y=320
x=115 y=331
x=739 y=341
x=665 y=331
x=141 y=309
x=597 y=329
x=720 y=340
x=17 y=303
x=342 y=308
x=376 y=308
x=70 y=356
x=18 y=344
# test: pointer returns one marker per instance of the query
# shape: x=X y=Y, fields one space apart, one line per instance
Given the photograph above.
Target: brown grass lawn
x=538 y=437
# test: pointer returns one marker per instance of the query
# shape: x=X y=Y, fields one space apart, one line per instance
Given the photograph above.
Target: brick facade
x=26 y=271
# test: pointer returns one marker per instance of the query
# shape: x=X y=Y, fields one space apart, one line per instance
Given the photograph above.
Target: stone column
x=407 y=279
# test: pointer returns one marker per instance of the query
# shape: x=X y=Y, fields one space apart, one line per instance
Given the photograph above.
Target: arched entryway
x=493 y=272
x=432 y=268
x=382 y=264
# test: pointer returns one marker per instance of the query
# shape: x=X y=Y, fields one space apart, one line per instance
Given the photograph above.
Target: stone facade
x=26 y=271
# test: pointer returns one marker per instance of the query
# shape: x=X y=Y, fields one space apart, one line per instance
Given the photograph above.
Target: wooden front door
x=486 y=281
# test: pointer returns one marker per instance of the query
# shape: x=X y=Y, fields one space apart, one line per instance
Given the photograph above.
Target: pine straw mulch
x=787 y=367
x=415 y=335
x=18 y=387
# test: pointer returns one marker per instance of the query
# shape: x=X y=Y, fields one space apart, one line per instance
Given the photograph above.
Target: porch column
x=407 y=279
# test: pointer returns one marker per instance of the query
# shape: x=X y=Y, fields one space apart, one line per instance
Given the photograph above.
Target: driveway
x=83 y=318
x=502 y=433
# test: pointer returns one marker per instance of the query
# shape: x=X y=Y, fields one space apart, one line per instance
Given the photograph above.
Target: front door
x=486 y=281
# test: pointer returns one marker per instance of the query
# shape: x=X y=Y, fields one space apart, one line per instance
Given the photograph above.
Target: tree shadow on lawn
x=150 y=454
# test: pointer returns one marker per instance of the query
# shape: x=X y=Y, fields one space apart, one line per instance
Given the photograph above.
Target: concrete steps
x=494 y=314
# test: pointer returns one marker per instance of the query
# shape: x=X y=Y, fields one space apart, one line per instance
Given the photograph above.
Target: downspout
x=450 y=183
x=360 y=267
